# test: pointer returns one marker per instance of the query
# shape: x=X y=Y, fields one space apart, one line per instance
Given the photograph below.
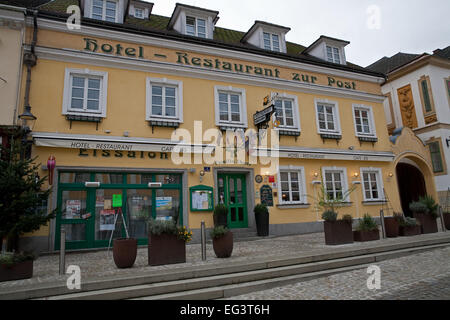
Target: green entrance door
x=232 y=193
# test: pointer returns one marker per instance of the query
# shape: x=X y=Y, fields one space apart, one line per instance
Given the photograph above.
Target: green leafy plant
x=431 y=205
x=8 y=258
x=260 y=209
x=398 y=216
x=367 y=223
x=347 y=218
x=218 y=232
x=159 y=227
x=21 y=195
x=220 y=214
x=329 y=215
x=325 y=202
x=184 y=234
x=418 y=207
x=409 y=222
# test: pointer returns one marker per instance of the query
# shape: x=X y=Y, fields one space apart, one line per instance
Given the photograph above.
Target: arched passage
x=411 y=185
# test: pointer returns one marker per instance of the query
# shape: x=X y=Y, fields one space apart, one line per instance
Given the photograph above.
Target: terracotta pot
x=337 y=232
x=362 y=236
x=407 y=231
x=391 y=226
x=427 y=222
x=447 y=220
x=223 y=246
x=21 y=270
x=165 y=249
x=124 y=252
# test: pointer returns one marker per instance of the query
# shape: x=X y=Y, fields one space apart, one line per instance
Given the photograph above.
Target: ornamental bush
x=367 y=223
x=218 y=232
x=329 y=215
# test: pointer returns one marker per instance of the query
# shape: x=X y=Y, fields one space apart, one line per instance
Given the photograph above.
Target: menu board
x=107 y=219
x=201 y=198
x=266 y=195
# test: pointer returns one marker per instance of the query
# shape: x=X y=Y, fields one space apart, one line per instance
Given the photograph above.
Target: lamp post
x=26 y=121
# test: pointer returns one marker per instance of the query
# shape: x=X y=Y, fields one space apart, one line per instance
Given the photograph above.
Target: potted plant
x=16 y=266
x=391 y=225
x=220 y=215
x=262 y=219
x=222 y=239
x=425 y=211
x=337 y=231
x=409 y=227
x=167 y=242
x=124 y=252
x=367 y=230
x=446 y=215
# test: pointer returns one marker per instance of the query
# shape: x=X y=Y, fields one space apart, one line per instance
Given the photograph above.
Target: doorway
x=232 y=192
x=411 y=184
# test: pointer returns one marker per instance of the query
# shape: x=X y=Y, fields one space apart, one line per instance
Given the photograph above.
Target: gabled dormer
x=105 y=10
x=140 y=9
x=193 y=21
x=328 y=49
x=267 y=36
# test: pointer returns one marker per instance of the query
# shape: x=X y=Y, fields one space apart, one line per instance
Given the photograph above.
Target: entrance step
x=245 y=274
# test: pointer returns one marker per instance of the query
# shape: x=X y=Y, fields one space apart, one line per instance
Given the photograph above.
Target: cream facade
x=113 y=104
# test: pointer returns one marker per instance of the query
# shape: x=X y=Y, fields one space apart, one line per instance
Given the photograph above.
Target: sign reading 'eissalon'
x=183 y=58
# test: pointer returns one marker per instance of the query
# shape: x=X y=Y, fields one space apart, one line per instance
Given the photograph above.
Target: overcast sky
x=410 y=26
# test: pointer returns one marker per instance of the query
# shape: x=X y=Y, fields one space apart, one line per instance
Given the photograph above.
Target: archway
x=411 y=185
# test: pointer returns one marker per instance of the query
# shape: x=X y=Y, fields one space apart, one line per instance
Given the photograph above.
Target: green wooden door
x=232 y=193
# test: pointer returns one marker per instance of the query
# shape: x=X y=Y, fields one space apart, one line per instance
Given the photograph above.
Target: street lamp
x=27 y=119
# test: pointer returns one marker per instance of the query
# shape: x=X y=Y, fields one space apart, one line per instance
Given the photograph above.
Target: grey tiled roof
x=386 y=65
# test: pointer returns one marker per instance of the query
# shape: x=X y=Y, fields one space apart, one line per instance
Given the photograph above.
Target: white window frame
x=343 y=172
x=332 y=53
x=271 y=34
x=336 y=118
x=302 y=184
x=295 y=110
x=164 y=82
x=116 y=18
x=242 y=107
x=196 y=25
x=136 y=10
x=372 y=129
x=69 y=73
x=380 y=185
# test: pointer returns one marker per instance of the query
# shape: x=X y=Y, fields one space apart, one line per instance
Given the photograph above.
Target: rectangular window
x=333 y=54
x=271 y=41
x=363 y=118
x=372 y=188
x=164 y=100
x=334 y=184
x=196 y=27
x=426 y=96
x=104 y=10
x=85 y=92
x=436 y=157
x=284 y=112
x=292 y=187
x=229 y=107
x=327 y=119
x=139 y=13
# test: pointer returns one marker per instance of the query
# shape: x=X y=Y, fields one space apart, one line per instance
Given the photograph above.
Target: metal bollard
x=62 y=252
x=203 y=240
x=441 y=215
x=383 y=230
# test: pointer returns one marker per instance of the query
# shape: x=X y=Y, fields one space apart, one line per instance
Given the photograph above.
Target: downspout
x=29 y=59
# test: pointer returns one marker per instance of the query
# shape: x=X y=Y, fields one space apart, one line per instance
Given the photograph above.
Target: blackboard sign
x=266 y=195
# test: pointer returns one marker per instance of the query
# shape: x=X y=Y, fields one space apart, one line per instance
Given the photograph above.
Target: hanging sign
x=117 y=200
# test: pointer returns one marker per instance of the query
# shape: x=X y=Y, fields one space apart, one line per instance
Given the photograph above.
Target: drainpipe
x=29 y=59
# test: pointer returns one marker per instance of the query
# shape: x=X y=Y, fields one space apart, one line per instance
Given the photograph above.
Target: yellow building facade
x=113 y=103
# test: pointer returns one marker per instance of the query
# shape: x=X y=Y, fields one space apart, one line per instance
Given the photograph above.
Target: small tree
x=20 y=195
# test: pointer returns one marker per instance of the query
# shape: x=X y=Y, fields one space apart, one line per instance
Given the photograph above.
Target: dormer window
x=271 y=41
x=328 y=49
x=105 y=10
x=195 y=27
x=333 y=55
x=267 y=36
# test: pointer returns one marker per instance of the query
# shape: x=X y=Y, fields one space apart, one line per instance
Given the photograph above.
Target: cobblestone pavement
x=421 y=276
x=100 y=264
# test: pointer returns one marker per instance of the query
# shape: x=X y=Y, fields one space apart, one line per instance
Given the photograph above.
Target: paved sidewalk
x=422 y=276
x=100 y=264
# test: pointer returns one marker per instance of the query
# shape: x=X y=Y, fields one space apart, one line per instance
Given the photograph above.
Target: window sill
x=367 y=139
x=226 y=126
x=288 y=132
x=164 y=123
x=88 y=118
x=333 y=136
x=293 y=206
x=374 y=202
x=344 y=204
